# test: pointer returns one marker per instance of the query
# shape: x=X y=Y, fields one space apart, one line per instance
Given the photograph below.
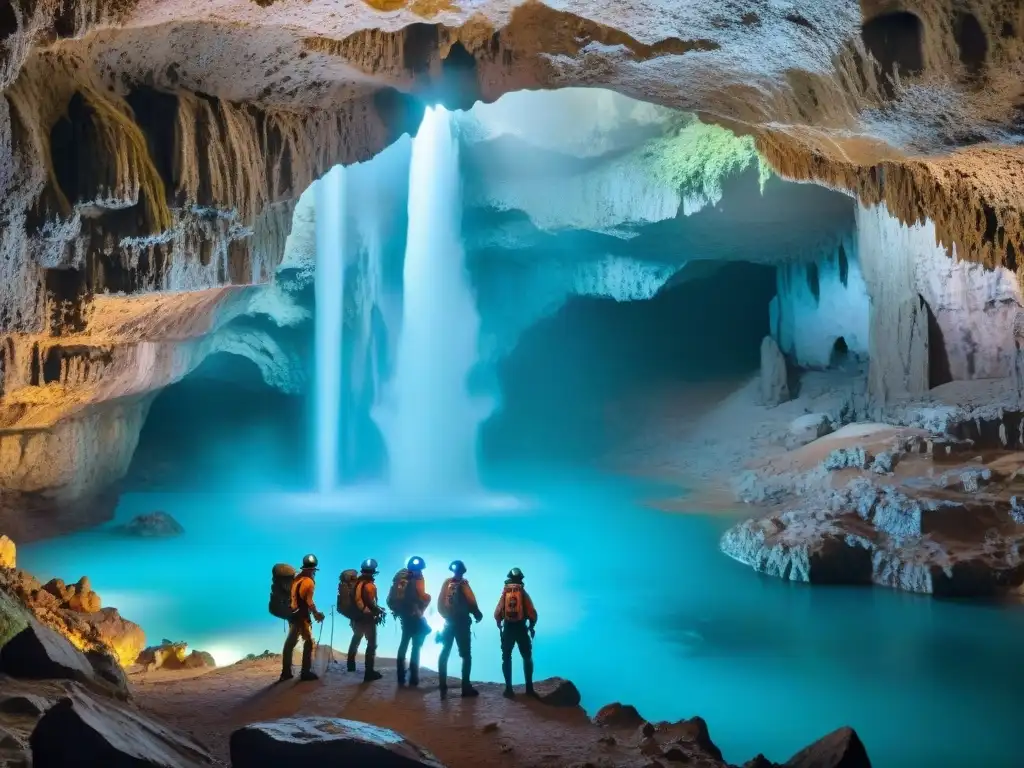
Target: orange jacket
x=467 y=596
x=529 y=611
x=302 y=595
x=366 y=597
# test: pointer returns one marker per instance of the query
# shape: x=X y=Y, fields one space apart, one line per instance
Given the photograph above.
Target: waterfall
x=330 y=277
x=428 y=418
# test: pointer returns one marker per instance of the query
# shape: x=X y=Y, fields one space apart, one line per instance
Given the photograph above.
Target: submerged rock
x=8 y=553
x=840 y=749
x=324 y=741
x=154 y=525
x=81 y=730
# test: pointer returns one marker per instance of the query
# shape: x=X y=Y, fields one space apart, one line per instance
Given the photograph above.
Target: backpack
x=399 y=594
x=451 y=602
x=512 y=603
x=347 y=594
x=282 y=577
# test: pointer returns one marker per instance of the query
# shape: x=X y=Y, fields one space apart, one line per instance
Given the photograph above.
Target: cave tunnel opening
x=220 y=426
x=72 y=148
x=577 y=383
x=971 y=41
x=896 y=41
x=8 y=20
x=840 y=353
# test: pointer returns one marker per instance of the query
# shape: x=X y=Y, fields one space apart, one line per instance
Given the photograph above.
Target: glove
x=319 y=617
x=533 y=632
x=479 y=618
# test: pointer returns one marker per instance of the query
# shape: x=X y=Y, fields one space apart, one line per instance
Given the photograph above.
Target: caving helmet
x=309 y=562
x=515 y=575
x=369 y=565
x=416 y=564
x=457 y=567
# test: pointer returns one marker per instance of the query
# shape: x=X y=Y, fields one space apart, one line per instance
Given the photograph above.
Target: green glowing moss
x=696 y=157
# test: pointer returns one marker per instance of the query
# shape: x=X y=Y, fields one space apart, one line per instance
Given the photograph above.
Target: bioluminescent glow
x=428 y=418
x=330 y=277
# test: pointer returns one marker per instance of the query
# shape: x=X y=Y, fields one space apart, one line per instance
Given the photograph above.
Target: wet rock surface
x=774 y=378
x=304 y=740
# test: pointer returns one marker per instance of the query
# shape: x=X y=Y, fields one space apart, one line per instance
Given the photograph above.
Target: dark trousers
x=414 y=630
x=363 y=628
x=300 y=627
x=515 y=633
x=455 y=633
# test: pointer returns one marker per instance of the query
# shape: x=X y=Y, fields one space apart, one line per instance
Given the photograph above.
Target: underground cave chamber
x=602 y=302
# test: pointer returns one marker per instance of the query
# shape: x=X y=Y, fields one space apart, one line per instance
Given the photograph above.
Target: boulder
x=78 y=597
x=200 y=660
x=618 y=716
x=40 y=653
x=324 y=741
x=840 y=749
x=13 y=618
x=125 y=639
x=167 y=655
x=8 y=553
x=774 y=379
x=153 y=526
x=81 y=730
x=807 y=428
x=557 y=692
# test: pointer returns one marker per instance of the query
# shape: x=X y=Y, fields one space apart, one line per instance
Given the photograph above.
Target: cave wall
x=931 y=314
x=819 y=302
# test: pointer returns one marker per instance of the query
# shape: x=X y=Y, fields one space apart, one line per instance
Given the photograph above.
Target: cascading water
x=330 y=277
x=428 y=418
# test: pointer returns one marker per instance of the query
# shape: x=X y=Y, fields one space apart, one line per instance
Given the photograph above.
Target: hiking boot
x=351 y=666
x=309 y=676
x=444 y=691
x=531 y=692
x=370 y=675
x=468 y=692
x=508 y=693
x=285 y=676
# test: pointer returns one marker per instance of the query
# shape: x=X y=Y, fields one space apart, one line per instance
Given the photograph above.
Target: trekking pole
x=332 y=635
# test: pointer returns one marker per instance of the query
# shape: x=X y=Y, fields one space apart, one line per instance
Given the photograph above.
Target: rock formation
x=148 y=148
x=774 y=377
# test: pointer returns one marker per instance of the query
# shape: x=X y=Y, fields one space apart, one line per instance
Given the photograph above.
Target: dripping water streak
x=330 y=276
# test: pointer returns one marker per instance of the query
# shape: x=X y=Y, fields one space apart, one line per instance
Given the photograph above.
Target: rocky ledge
x=894 y=506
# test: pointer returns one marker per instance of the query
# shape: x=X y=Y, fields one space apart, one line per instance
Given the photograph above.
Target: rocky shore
x=905 y=507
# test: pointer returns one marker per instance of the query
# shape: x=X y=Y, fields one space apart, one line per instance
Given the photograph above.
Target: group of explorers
x=292 y=599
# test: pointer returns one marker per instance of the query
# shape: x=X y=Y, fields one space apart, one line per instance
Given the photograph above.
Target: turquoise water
x=635 y=606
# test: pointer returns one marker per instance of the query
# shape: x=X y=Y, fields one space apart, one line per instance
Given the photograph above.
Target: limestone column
x=898 y=341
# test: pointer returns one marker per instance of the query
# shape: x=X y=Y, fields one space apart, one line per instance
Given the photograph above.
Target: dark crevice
x=156 y=114
x=8 y=20
x=1011 y=256
x=67 y=290
x=813 y=282
x=939 y=370
x=796 y=18
x=844 y=266
x=419 y=47
x=972 y=42
x=895 y=40
x=73 y=150
x=458 y=78
x=840 y=353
